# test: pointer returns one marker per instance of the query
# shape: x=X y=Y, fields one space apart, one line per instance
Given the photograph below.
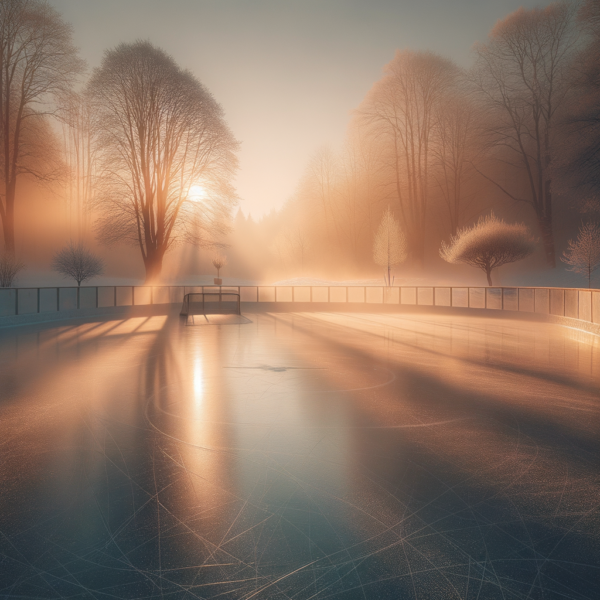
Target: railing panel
x=337 y=294
x=572 y=304
x=320 y=294
x=494 y=298
x=176 y=293
x=391 y=295
x=356 y=294
x=557 y=302
x=408 y=295
x=596 y=307
x=160 y=295
x=460 y=297
x=27 y=301
x=425 y=296
x=511 y=299
x=142 y=295
x=249 y=294
x=526 y=300
x=585 y=306
x=283 y=294
x=67 y=299
x=542 y=300
x=106 y=296
x=87 y=297
x=48 y=298
x=374 y=295
x=443 y=296
x=124 y=296
x=266 y=294
x=7 y=302
x=477 y=297
x=301 y=294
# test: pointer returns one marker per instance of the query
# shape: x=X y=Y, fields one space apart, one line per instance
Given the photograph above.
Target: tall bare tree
x=399 y=113
x=584 y=117
x=75 y=114
x=455 y=148
x=159 y=132
x=37 y=62
x=521 y=74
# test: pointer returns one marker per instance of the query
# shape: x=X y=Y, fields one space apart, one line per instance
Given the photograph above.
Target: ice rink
x=300 y=456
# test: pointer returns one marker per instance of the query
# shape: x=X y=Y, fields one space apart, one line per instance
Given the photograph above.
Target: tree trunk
x=153 y=263
x=8 y=223
x=545 y=225
x=488 y=272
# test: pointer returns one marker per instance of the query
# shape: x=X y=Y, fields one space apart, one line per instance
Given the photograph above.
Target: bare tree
x=389 y=246
x=37 y=62
x=78 y=142
x=522 y=77
x=583 y=254
x=399 y=113
x=77 y=262
x=489 y=244
x=159 y=133
x=584 y=117
x=9 y=269
x=219 y=261
x=455 y=148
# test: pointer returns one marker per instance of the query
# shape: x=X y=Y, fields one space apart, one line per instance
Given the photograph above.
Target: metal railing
x=576 y=303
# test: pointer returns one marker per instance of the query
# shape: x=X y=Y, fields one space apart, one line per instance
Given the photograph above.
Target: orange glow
x=197 y=193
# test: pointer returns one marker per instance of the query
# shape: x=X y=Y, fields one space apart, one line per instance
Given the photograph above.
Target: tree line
x=137 y=136
x=441 y=146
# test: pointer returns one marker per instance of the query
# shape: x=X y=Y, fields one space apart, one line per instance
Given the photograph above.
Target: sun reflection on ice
x=198 y=380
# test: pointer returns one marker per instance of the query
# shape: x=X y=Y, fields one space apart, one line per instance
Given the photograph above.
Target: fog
x=438 y=129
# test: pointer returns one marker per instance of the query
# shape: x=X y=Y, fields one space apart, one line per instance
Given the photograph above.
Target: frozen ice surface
x=300 y=456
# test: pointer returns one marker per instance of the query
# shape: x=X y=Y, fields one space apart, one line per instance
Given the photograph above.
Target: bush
x=489 y=244
x=77 y=262
x=9 y=269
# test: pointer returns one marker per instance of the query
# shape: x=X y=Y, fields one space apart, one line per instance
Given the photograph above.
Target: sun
x=197 y=193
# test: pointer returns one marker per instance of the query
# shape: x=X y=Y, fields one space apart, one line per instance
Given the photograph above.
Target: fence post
x=502 y=298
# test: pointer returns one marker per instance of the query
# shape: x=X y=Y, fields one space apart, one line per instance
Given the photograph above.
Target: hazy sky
x=287 y=72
